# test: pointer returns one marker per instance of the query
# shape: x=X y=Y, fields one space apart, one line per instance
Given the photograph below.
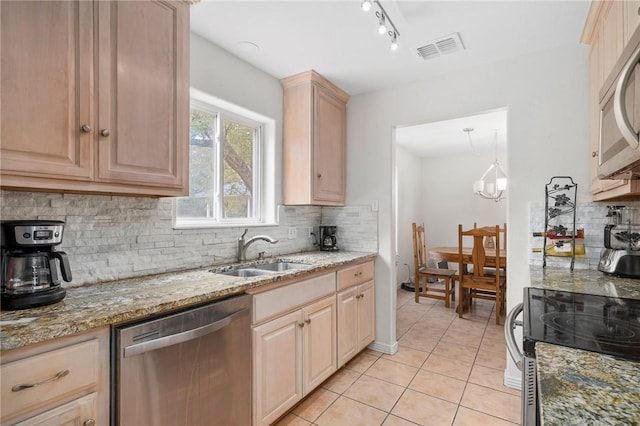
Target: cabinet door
x=595 y=82
x=81 y=411
x=612 y=35
x=46 y=84
x=329 y=141
x=366 y=314
x=319 y=349
x=277 y=367
x=143 y=101
x=348 y=343
x=631 y=18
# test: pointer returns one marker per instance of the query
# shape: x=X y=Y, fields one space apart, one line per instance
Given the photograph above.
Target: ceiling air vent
x=441 y=46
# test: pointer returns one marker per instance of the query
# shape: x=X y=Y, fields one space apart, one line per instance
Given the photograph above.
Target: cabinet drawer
x=80 y=360
x=283 y=299
x=353 y=275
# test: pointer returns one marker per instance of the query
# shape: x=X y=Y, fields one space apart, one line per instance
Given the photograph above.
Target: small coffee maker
x=31 y=268
x=328 y=240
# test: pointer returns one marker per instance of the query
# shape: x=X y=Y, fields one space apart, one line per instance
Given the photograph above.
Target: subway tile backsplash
x=114 y=237
x=591 y=217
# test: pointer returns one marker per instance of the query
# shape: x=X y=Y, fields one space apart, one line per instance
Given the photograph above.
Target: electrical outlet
x=293 y=232
x=374 y=206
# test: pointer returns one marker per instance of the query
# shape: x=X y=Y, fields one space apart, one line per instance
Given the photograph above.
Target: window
x=228 y=159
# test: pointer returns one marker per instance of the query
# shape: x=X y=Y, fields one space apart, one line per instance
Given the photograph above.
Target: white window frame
x=263 y=203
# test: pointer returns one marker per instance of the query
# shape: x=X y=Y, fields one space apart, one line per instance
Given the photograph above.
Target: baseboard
x=384 y=348
x=514 y=382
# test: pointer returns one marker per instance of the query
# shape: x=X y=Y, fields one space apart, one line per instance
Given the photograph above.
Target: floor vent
x=448 y=44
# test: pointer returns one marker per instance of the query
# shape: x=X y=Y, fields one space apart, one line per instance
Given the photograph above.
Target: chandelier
x=493 y=182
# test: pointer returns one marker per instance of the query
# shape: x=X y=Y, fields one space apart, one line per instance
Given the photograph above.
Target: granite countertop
x=579 y=387
x=95 y=305
x=586 y=388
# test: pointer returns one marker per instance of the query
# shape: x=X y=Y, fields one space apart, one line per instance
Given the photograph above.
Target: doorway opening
x=436 y=165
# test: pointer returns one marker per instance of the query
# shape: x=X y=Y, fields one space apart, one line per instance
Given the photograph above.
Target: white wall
x=449 y=199
x=410 y=199
x=546 y=96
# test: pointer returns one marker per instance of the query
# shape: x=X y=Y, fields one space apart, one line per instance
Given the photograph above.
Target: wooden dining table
x=451 y=254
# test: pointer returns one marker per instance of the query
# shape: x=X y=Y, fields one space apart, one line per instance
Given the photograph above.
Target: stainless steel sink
x=280 y=266
x=263 y=269
x=244 y=272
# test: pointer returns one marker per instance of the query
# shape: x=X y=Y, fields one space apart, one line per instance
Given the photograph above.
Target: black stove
x=609 y=325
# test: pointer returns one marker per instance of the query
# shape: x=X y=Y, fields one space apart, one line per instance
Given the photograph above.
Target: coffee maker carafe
x=328 y=241
x=31 y=268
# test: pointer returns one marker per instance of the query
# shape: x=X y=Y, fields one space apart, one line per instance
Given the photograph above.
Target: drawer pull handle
x=89 y=422
x=60 y=374
x=357 y=274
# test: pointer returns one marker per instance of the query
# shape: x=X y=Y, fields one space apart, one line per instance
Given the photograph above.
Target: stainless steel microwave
x=619 y=150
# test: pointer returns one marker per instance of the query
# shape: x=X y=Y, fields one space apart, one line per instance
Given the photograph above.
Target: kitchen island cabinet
x=314 y=132
x=95 y=96
x=65 y=381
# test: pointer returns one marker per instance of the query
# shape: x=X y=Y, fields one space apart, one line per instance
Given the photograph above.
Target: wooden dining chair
x=476 y=282
x=436 y=283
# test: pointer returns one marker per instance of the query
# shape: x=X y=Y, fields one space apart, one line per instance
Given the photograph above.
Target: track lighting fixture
x=385 y=25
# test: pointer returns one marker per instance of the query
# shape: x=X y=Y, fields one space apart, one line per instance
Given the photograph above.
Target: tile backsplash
x=114 y=237
x=591 y=217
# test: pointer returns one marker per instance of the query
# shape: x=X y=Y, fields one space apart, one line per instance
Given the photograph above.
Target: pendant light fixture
x=493 y=182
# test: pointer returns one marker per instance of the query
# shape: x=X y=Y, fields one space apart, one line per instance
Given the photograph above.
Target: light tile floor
x=447 y=371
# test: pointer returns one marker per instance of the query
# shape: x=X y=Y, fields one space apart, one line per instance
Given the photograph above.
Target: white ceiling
x=340 y=41
x=447 y=138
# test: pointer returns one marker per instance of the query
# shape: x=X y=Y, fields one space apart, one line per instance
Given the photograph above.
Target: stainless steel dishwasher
x=189 y=368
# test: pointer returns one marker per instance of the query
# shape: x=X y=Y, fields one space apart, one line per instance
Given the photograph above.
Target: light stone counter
x=114 y=302
x=578 y=387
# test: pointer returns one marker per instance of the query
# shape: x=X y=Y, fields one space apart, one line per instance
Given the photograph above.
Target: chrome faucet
x=243 y=245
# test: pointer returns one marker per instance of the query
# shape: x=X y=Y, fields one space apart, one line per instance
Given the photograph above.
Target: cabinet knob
x=89 y=422
x=319 y=175
x=85 y=128
x=300 y=324
x=308 y=320
x=105 y=132
x=594 y=154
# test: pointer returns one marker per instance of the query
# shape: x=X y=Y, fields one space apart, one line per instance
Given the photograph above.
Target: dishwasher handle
x=182 y=337
x=509 y=325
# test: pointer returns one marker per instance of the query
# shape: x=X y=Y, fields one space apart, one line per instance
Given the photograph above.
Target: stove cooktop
x=609 y=325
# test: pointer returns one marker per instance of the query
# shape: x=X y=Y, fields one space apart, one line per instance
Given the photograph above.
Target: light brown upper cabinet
x=607 y=30
x=314 y=141
x=95 y=96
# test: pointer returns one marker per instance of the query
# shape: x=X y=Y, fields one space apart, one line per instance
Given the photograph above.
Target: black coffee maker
x=328 y=240
x=31 y=268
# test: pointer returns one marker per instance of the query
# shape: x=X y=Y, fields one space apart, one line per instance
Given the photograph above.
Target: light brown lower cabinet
x=61 y=382
x=355 y=320
x=293 y=354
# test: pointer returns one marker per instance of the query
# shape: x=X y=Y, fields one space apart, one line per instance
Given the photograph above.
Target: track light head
x=394 y=40
x=366 y=5
x=382 y=27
